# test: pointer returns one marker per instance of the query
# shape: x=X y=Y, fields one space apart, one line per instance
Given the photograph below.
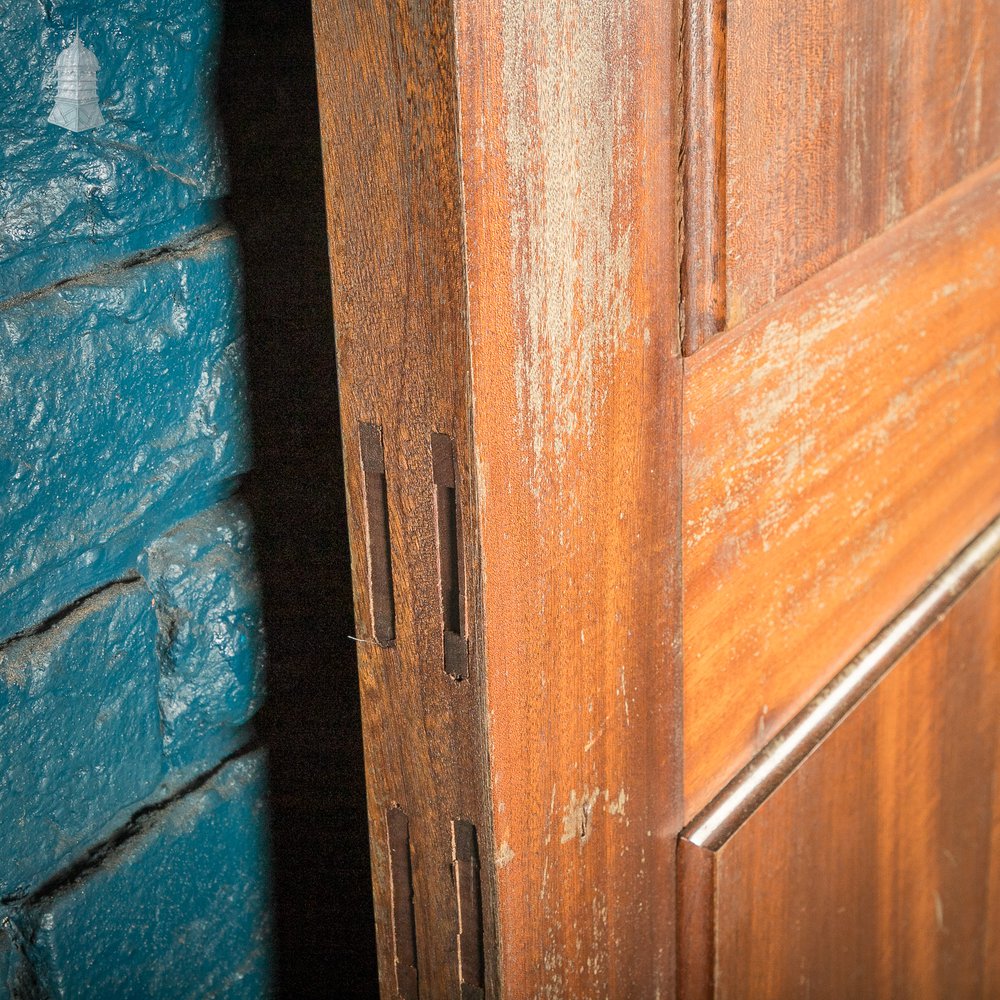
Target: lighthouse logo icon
x=77 y=107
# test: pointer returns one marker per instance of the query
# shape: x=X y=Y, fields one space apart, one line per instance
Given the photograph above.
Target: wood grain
x=569 y=140
x=503 y=237
x=838 y=450
x=389 y=116
x=869 y=867
x=703 y=149
x=842 y=118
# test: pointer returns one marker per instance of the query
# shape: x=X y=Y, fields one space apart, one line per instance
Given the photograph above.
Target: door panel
x=838 y=449
x=870 y=110
x=841 y=436
x=866 y=864
x=827 y=122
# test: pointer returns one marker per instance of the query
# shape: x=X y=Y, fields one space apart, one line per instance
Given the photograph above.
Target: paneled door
x=669 y=357
x=841 y=477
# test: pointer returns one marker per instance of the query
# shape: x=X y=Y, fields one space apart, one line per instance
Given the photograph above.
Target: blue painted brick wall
x=210 y=643
x=178 y=911
x=132 y=691
x=154 y=171
x=71 y=700
x=122 y=409
x=133 y=860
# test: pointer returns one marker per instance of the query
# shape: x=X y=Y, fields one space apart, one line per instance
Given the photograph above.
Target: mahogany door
x=841 y=477
x=669 y=353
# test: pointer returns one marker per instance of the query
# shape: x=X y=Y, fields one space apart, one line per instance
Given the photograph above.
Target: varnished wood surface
x=503 y=237
x=869 y=868
x=843 y=118
x=838 y=450
x=703 y=173
x=815 y=126
x=568 y=132
x=389 y=116
x=502 y=185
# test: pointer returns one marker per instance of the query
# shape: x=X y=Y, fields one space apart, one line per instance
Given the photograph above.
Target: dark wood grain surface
x=389 y=112
x=868 y=866
x=509 y=235
x=843 y=118
x=815 y=126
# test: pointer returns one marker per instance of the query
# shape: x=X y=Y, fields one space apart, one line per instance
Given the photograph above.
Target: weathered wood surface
x=552 y=361
x=864 y=863
x=824 y=124
x=503 y=207
x=567 y=122
x=838 y=450
x=389 y=117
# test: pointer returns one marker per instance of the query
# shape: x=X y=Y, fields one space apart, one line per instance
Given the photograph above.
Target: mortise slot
x=404 y=928
x=470 y=909
x=451 y=569
x=383 y=607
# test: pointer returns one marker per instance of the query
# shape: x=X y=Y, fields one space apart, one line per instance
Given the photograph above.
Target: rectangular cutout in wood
x=470 y=910
x=451 y=567
x=404 y=928
x=383 y=607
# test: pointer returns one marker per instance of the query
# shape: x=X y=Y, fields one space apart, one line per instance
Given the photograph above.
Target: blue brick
x=9 y=955
x=207 y=597
x=128 y=694
x=122 y=411
x=178 y=911
x=18 y=976
x=80 y=736
x=71 y=201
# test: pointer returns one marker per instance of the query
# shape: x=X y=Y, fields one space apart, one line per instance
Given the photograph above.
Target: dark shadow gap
x=312 y=726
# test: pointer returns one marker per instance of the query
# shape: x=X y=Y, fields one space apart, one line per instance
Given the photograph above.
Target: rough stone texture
x=79 y=730
x=8 y=955
x=211 y=648
x=70 y=201
x=18 y=977
x=178 y=910
x=123 y=697
x=122 y=410
x=124 y=871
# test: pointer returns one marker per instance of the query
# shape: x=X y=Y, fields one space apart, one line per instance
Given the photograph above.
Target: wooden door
x=669 y=351
x=841 y=473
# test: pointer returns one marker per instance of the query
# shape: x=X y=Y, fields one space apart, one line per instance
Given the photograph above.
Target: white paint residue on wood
x=571 y=250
